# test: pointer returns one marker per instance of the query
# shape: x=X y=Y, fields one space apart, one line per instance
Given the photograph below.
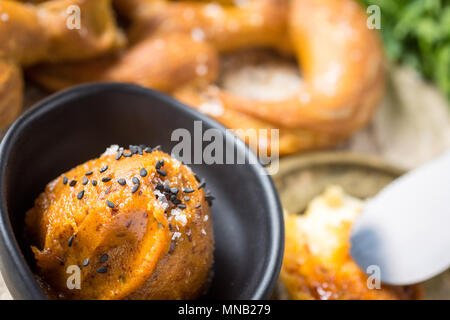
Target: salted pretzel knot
x=39 y=33
x=342 y=79
x=340 y=58
x=173 y=44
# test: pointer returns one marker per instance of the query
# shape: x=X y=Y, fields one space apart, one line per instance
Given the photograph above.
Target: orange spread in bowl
x=135 y=222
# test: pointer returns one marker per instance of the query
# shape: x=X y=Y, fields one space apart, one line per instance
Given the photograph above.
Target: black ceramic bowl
x=78 y=124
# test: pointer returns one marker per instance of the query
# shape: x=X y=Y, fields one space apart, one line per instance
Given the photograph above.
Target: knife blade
x=405 y=229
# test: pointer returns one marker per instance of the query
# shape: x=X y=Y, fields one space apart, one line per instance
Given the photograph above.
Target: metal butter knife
x=405 y=229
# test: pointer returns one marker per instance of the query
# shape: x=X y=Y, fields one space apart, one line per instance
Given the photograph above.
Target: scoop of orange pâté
x=135 y=223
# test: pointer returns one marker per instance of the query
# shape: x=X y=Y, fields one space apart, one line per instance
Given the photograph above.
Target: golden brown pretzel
x=341 y=62
x=37 y=33
x=343 y=78
x=260 y=23
x=184 y=51
x=342 y=66
x=170 y=66
x=11 y=86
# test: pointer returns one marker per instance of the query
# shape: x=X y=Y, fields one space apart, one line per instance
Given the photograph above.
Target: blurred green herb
x=417 y=33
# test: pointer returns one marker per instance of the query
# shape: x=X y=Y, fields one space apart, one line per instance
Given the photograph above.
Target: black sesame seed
x=176 y=201
x=162 y=172
x=127 y=155
x=202 y=185
x=133 y=149
x=135 y=188
x=122 y=181
x=103 y=169
x=158 y=147
x=159 y=187
x=158 y=165
x=86 y=262
x=174 y=190
x=65 y=180
x=104 y=258
x=166 y=188
x=197 y=178
x=173 y=197
x=80 y=195
x=182 y=206
x=188 y=190
x=135 y=180
x=102 y=269
x=84 y=181
x=106 y=179
x=94 y=182
x=140 y=150
x=172 y=247
x=72 y=183
x=108 y=190
x=209 y=198
x=110 y=204
x=198 y=205
x=148 y=150
x=119 y=155
x=170 y=227
x=143 y=172
x=89 y=173
x=70 y=241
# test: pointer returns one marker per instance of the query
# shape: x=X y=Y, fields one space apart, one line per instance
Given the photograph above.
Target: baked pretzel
x=169 y=67
x=341 y=62
x=176 y=52
x=38 y=33
x=343 y=78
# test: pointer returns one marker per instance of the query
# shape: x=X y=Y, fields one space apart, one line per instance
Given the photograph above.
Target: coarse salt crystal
x=176 y=235
x=162 y=201
x=113 y=149
x=4 y=17
x=181 y=219
x=213 y=10
x=198 y=34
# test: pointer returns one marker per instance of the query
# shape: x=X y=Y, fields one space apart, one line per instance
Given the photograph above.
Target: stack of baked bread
x=175 y=47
